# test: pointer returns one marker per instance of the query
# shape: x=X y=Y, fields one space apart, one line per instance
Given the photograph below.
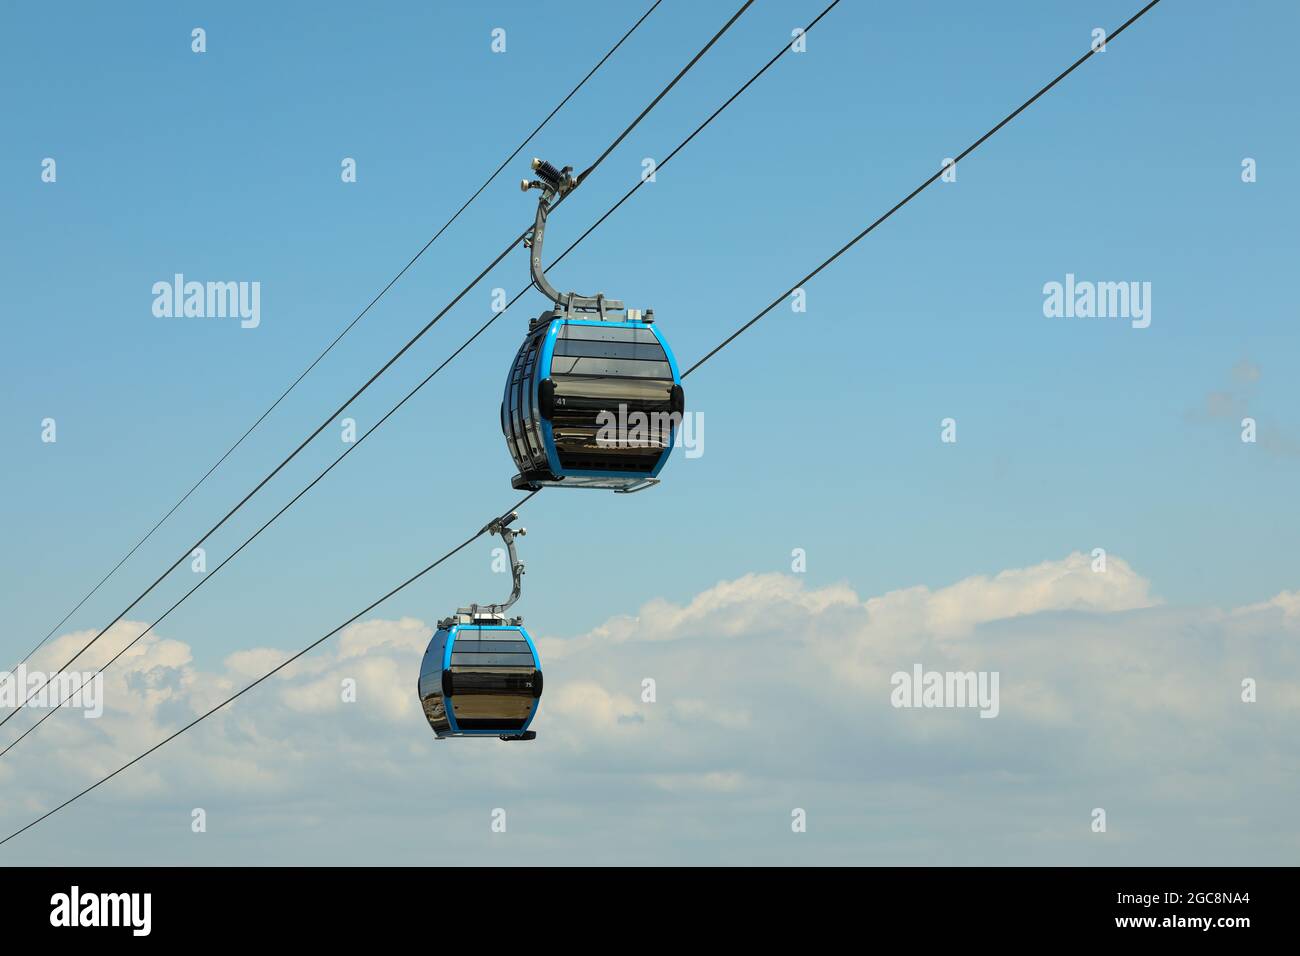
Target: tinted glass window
x=605 y=348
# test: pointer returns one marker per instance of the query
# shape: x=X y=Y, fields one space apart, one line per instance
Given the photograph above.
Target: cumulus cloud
x=689 y=731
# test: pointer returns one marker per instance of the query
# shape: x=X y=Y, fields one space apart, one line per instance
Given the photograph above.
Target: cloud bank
x=769 y=695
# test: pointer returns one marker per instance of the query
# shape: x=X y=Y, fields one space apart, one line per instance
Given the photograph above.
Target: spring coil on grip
x=548 y=173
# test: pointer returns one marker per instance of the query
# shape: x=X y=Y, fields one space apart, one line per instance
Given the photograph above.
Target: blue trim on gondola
x=544 y=371
x=446 y=665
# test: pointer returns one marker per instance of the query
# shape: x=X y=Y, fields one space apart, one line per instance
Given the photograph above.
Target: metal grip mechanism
x=501 y=526
x=555 y=178
x=555 y=184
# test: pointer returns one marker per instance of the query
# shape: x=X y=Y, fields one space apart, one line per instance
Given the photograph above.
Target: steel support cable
x=915 y=192
x=326 y=422
x=348 y=328
x=271 y=673
x=709 y=355
x=640 y=182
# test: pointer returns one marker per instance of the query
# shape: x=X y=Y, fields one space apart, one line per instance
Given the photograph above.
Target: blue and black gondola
x=481 y=676
x=480 y=680
x=592 y=402
x=594 y=396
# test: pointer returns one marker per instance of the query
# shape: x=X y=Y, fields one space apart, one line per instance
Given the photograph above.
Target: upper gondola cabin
x=592 y=402
x=594 y=396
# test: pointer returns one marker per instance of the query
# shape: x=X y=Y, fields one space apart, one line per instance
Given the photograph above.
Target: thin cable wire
x=655 y=102
x=640 y=182
x=915 y=192
x=348 y=328
x=326 y=422
x=366 y=610
x=271 y=673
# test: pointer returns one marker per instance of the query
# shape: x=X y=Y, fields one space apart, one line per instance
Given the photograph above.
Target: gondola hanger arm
x=501 y=526
x=555 y=185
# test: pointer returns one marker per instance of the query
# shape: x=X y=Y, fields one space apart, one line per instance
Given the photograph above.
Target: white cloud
x=1287 y=602
x=770 y=694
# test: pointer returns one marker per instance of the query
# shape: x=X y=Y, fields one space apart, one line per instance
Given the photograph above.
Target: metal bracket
x=555 y=184
x=640 y=486
x=501 y=526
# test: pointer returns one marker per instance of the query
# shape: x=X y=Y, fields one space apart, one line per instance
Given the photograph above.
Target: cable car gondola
x=594 y=396
x=481 y=676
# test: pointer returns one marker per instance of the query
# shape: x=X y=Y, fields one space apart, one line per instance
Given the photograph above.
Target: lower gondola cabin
x=480 y=680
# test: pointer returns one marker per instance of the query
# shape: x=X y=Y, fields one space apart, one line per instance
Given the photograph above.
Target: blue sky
x=822 y=429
